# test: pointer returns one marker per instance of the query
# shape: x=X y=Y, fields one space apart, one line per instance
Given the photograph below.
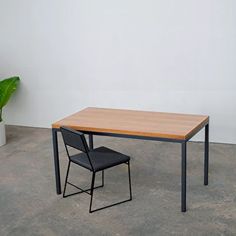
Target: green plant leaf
x=7 y=87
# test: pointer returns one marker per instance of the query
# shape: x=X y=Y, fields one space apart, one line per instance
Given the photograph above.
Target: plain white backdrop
x=160 y=55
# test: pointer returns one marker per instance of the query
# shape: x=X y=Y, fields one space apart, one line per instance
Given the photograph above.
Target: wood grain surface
x=132 y=122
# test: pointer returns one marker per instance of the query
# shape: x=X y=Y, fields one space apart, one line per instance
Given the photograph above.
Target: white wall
x=161 y=55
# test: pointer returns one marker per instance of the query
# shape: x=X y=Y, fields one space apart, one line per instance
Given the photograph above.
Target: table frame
x=183 y=156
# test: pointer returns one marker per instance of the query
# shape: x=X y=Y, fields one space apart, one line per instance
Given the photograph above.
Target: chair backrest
x=75 y=139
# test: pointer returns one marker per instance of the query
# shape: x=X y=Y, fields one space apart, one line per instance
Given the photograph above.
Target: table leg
x=206 y=155
x=183 y=176
x=90 y=141
x=56 y=161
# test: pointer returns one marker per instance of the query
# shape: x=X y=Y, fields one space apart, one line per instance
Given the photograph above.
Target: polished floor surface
x=30 y=206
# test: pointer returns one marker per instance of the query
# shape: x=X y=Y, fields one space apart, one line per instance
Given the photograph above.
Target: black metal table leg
x=56 y=161
x=90 y=141
x=183 y=177
x=206 y=155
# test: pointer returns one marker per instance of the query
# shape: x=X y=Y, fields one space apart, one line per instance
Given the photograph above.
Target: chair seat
x=101 y=158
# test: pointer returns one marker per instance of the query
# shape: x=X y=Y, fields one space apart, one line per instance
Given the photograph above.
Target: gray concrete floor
x=30 y=206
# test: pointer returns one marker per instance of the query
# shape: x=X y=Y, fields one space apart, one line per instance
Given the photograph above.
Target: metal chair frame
x=89 y=191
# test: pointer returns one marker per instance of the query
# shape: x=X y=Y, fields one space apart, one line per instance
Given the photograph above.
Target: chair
x=94 y=160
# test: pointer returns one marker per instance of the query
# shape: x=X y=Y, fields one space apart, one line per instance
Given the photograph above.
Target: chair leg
x=92 y=188
x=102 y=178
x=130 y=190
x=91 y=192
x=88 y=191
x=67 y=174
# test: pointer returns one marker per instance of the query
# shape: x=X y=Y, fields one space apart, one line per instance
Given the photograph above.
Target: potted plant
x=7 y=87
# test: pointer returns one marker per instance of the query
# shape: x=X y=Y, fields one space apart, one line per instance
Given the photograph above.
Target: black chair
x=94 y=160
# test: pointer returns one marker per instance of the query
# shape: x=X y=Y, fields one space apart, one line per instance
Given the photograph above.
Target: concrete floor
x=30 y=206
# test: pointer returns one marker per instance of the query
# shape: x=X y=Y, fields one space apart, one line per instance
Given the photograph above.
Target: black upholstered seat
x=101 y=158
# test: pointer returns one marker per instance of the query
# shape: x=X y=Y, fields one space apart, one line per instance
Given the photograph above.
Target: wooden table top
x=138 y=123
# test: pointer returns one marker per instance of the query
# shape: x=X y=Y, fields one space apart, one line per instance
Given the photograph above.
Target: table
x=146 y=125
